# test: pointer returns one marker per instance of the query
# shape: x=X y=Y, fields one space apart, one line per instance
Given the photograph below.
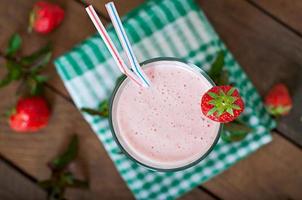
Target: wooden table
x=264 y=36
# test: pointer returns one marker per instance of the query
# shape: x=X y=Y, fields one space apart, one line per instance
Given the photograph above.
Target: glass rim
x=119 y=82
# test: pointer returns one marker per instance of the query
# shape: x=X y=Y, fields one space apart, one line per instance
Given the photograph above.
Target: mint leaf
x=92 y=112
x=217 y=66
x=102 y=110
x=44 y=59
x=14 y=73
x=44 y=52
x=14 y=45
x=235 y=131
x=14 y=69
x=36 y=88
x=41 y=78
x=68 y=156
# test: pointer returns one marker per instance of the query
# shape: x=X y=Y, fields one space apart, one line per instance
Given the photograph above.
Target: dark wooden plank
x=273 y=172
x=268 y=52
x=122 y=6
x=14 y=185
x=196 y=194
x=288 y=12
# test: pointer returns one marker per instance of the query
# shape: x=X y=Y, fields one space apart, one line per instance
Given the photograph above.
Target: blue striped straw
x=117 y=24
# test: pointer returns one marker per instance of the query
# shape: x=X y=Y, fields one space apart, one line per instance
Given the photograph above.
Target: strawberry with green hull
x=278 y=101
x=30 y=115
x=222 y=104
x=45 y=17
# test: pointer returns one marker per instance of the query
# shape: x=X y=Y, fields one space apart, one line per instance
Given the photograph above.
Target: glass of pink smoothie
x=162 y=127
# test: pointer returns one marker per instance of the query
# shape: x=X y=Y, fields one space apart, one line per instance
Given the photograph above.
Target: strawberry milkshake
x=162 y=126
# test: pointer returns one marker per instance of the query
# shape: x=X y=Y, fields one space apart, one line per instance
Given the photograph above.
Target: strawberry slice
x=222 y=103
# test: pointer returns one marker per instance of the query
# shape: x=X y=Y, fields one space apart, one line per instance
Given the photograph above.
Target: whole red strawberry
x=45 y=17
x=222 y=103
x=31 y=114
x=278 y=101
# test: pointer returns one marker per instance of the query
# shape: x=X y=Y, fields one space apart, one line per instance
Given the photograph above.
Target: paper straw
x=121 y=33
x=111 y=47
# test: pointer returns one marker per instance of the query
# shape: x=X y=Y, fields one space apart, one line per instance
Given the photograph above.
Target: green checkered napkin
x=175 y=28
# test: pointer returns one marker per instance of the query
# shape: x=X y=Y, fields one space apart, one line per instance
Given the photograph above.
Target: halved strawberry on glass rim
x=222 y=104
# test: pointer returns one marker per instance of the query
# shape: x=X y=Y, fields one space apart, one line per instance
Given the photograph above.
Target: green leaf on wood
x=43 y=54
x=41 y=78
x=61 y=178
x=36 y=89
x=68 y=156
x=14 y=69
x=235 y=131
x=14 y=45
x=44 y=60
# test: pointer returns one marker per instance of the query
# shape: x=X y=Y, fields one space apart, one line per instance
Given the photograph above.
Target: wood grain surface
x=269 y=52
x=273 y=172
x=288 y=12
x=14 y=185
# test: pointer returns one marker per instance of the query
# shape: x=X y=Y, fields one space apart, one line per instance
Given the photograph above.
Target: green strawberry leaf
x=69 y=155
x=230 y=111
x=236 y=107
x=14 y=45
x=212 y=111
x=217 y=66
x=213 y=95
x=235 y=131
x=231 y=91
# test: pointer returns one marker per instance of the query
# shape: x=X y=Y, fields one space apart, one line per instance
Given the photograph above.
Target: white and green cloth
x=158 y=28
